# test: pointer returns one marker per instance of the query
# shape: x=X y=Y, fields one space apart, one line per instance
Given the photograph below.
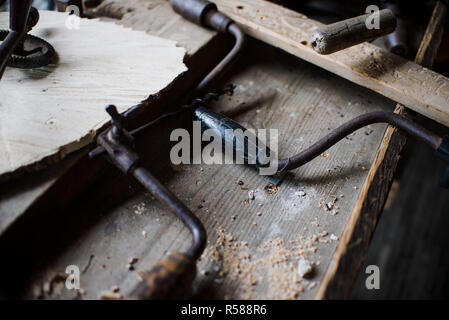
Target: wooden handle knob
x=170 y=278
x=347 y=33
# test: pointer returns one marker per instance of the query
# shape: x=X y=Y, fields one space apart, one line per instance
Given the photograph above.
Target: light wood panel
x=401 y=80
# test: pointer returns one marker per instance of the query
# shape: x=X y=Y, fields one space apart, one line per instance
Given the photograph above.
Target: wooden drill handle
x=347 y=33
x=170 y=278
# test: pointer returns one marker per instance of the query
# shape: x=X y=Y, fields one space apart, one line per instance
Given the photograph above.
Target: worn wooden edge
x=365 y=64
x=354 y=242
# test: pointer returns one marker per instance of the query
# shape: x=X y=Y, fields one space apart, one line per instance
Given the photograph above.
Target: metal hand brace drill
x=18 y=48
x=173 y=275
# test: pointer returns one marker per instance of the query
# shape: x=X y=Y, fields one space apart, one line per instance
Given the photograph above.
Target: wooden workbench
x=321 y=212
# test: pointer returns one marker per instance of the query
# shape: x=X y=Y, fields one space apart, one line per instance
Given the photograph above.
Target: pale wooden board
x=304 y=102
x=52 y=111
x=401 y=80
x=156 y=19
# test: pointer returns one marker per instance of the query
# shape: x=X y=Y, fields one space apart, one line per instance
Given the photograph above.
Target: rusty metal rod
x=349 y=127
x=166 y=197
x=206 y=14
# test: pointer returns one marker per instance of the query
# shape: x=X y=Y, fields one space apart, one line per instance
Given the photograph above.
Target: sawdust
x=272 y=267
x=305 y=268
x=139 y=208
x=115 y=289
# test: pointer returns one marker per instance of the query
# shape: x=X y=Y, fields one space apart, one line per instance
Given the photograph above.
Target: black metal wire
x=349 y=127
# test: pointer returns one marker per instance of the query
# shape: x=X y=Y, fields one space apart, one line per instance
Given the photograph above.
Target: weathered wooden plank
x=348 y=257
x=401 y=80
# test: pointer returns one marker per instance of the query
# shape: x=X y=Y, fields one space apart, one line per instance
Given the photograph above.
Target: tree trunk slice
x=47 y=113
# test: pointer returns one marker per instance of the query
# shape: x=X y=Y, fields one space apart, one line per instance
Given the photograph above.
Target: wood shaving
x=115 y=289
x=325 y=154
x=300 y=193
x=54 y=286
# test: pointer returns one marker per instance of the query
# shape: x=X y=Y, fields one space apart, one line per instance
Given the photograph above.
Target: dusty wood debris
x=276 y=266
